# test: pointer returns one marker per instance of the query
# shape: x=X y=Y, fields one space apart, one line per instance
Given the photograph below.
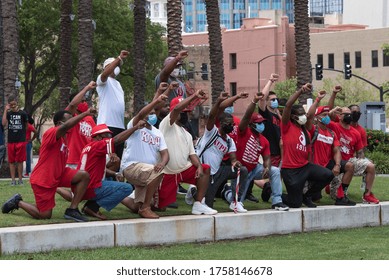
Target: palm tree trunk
x=65 y=67
x=302 y=43
x=215 y=48
x=1 y=62
x=85 y=45
x=174 y=30
x=139 y=54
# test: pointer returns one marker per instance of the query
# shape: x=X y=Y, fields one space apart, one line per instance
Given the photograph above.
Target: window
x=238 y=4
x=374 y=58
x=156 y=10
x=233 y=89
x=346 y=58
x=165 y=10
x=200 y=5
x=319 y=59
x=232 y=60
x=358 y=59
x=331 y=61
x=276 y=5
x=238 y=19
x=204 y=71
x=385 y=60
x=201 y=22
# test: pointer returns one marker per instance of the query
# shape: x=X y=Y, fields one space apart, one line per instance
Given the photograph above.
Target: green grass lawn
x=20 y=218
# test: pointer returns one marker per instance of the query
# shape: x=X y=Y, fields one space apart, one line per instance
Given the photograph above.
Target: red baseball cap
x=177 y=100
x=256 y=118
x=322 y=109
x=99 y=129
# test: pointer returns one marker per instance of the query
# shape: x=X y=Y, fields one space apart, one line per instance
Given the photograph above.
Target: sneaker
x=370 y=199
x=181 y=190
x=26 y=175
x=20 y=182
x=280 y=206
x=190 y=194
x=252 y=198
x=307 y=201
x=11 y=204
x=266 y=192
x=75 y=215
x=238 y=208
x=200 y=208
x=173 y=205
x=344 y=201
x=13 y=183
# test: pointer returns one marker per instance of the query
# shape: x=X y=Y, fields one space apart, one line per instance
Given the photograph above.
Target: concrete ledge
x=335 y=217
x=54 y=237
x=166 y=230
x=384 y=213
x=257 y=223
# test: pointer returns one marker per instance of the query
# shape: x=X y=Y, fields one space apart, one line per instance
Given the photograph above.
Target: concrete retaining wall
x=184 y=229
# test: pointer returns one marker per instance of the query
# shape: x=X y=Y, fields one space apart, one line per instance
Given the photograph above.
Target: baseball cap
x=177 y=100
x=108 y=61
x=170 y=58
x=99 y=129
x=322 y=109
x=256 y=118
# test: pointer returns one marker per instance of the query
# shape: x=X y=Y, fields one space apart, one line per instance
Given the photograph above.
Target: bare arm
x=72 y=107
x=331 y=101
x=111 y=67
x=165 y=73
x=123 y=136
x=184 y=103
x=4 y=120
x=288 y=107
x=312 y=109
x=244 y=122
x=148 y=108
x=215 y=111
x=262 y=103
x=164 y=160
x=230 y=101
x=73 y=121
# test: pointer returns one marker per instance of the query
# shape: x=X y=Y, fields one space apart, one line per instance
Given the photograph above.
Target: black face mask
x=227 y=128
x=347 y=119
x=183 y=117
x=356 y=115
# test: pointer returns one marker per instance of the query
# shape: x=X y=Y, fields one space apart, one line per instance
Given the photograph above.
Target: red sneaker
x=370 y=198
x=328 y=189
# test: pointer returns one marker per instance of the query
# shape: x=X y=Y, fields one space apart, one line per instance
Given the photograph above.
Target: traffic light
x=204 y=71
x=347 y=71
x=319 y=72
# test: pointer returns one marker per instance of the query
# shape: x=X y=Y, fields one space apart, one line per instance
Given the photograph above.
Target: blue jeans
x=28 y=159
x=275 y=182
x=111 y=193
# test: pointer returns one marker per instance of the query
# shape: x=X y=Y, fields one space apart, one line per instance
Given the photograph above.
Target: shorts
x=17 y=152
x=168 y=190
x=45 y=197
x=360 y=165
x=111 y=193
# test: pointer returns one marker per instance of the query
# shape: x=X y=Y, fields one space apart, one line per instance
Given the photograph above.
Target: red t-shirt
x=30 y=129
x=78 y=137
x=350 y=140
x=361 y=131
x=53 y=154
x=323 y=146
x=295 y=146
x=250 y=147
x=93 y=160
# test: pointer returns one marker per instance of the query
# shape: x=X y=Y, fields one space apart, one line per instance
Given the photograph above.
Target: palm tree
x=1 y=62
x=174 y=30
x=215 y=48
x=139 y=54
x=302 y=42
x=85 y=43
x=65 y=66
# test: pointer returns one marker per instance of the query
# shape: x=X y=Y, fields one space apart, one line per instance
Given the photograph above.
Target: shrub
x=381 y=161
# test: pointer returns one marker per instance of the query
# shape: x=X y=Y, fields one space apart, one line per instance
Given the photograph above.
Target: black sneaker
x=75 y=215
x=11 y=204
x=173 y=205
x=308 y=202
x=280 y=206
x=252 y=198
x=266 y=192
x=345 y=201
x=181 y=190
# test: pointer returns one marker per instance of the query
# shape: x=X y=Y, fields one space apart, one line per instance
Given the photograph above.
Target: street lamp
x=259 y=66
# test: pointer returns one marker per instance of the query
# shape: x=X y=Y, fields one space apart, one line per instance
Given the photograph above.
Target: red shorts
x=45 y=197
x=17 y=152
x=167 y=193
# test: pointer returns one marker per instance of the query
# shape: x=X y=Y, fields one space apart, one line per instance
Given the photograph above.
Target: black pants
x=295 y=178
x=120 y=147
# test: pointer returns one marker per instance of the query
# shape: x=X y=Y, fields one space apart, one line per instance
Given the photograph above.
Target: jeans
x=111 y=193
x=29 y=157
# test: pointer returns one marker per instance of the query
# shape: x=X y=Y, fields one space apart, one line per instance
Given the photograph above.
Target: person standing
x=111 y=97
x=29 y=140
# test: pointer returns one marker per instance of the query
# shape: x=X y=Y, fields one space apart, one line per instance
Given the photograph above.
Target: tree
x=1 y=62
x=385 y=48
x=215 y=48
x=302 y=47
x=174 y=30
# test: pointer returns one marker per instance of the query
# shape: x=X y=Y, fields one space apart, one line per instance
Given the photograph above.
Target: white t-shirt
x=180 y=146
x=111 y=103
x=213 y=156
x=143 y=146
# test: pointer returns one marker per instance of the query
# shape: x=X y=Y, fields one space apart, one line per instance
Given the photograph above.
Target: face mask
x=356 y=115
x=116 y=71
x=274 y=104
x=326 y=120
x=259 y=127
x=82 y=107
x=175 y=72
x=347 y=119
x=183 y=117
x=302 y=119
x=152 y=119
x=229 y=110
x=227 y=128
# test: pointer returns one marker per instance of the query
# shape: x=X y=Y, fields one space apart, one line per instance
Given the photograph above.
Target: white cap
x=108 y=61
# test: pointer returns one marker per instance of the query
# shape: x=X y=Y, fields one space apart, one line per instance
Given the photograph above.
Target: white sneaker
x=192 y=190
x=239 y=207
x=199 y=209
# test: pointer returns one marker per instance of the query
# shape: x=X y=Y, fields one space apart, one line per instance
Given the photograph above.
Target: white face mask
x=175 y=72
x=116 y=71
x=302 y=119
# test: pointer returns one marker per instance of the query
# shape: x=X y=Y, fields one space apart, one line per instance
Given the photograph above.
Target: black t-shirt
x=17 y=124
x=272 y=130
